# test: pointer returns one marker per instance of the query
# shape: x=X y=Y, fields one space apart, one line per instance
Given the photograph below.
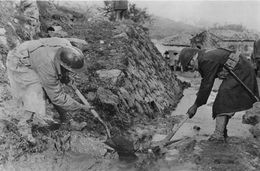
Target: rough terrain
x=129 y=83
x=126 y=79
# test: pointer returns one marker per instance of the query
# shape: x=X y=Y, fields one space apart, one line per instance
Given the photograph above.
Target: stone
x=57 y=28
x=2 y=31
x=3 y=41
x=109 y=75
x=60 y=33
x=91 y=96
x=83 y=144
x=122 y=35
x=252 y=116
x=255 y=131
x=77 y=41
x=107 y=97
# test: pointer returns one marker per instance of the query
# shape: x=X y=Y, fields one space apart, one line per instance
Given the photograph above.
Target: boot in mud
x=25 y=128
x=218 y=135
x=26 y=131
x=225 y=131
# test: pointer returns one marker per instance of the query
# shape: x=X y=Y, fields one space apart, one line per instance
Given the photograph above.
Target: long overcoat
x=231 y=97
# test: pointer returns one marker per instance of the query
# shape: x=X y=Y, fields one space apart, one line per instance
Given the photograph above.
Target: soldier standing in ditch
x=231 y=97
x=120 y=8
x=255 y=57
x=36 y=70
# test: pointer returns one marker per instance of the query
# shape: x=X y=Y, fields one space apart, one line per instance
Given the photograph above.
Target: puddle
x=202 y=120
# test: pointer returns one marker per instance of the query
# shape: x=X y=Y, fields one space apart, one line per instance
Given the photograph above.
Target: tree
x=134 y=13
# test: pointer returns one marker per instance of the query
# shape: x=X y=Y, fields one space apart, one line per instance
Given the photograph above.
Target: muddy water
x=77 y=161
x=170 y=161
x=203 y=117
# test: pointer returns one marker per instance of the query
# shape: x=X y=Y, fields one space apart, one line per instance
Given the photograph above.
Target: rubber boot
x=225 y=131
x=218 y=135
x=25 y=130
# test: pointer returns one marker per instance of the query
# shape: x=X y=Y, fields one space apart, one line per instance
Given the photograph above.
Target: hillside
x=163 y=27
x=126 y=78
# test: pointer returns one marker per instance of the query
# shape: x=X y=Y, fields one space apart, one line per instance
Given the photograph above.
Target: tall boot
x=25 y=128
x=225 y=131
x=221 y=123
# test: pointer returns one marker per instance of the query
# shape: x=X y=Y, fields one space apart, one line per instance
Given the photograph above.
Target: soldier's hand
x=192 y=110
x=87 y=107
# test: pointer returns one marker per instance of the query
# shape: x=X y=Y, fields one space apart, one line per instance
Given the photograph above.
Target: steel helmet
x=186 y=55
x=71 y=58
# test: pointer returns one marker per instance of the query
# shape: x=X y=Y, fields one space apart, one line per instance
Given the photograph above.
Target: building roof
x=231 y=35
x=178 y=40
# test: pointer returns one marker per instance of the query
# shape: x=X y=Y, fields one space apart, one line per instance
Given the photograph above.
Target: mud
x=193 y=152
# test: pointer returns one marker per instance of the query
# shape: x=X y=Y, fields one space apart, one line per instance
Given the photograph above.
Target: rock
x=255 y=131
x=2 y=31
x=196 y=128
x=79 y=43
x=77 y=126
x=107 y=97
x=158 y=137
x=252 y=116
x=3 y=41
x=83 y=144
x=30 y=12
x=91 y=96
x=122 y=35
x=109 y=75
x=57 y=28
x=60 y=33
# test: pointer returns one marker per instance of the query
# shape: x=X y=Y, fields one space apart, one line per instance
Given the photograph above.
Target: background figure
x=256 y=56
x=172 y=59
x=120 y=7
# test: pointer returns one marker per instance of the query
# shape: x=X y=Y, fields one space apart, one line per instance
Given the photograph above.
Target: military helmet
x=186 y=55
x=71 y=58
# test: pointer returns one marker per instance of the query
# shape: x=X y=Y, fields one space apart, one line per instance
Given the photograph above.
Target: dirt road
x=192 y=153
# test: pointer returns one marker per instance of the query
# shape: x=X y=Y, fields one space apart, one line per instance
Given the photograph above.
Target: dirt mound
x=127 y=79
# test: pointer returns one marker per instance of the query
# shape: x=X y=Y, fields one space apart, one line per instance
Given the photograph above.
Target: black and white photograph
x=129 y=85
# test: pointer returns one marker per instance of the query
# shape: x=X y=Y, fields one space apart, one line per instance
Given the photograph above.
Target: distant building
x=178 y=40
x=242 y=41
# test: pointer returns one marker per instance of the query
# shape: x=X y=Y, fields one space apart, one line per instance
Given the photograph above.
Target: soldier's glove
x=87 y=108
x=192 y=111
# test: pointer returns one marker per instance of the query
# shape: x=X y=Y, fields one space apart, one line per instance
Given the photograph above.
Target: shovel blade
x=122 y=145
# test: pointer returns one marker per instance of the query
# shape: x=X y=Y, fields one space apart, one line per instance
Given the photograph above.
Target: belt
x=231 y=63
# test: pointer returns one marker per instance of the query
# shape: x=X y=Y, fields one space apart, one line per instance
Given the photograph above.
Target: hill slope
x=163 y=27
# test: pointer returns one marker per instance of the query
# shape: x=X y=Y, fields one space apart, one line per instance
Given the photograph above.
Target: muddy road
x=192 y=153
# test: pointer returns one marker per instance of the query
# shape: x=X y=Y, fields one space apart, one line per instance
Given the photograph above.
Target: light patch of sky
x=199 y=12
x=206 y=12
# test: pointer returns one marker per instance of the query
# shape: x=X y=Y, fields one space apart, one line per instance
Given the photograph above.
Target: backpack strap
x=233 y=60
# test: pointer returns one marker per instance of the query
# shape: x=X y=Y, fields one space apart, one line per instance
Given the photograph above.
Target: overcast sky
x=202 y=12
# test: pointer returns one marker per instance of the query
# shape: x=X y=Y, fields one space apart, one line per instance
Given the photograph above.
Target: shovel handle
x=83 y=99
x=175 y=129
x=168 y=138
x=94 y=113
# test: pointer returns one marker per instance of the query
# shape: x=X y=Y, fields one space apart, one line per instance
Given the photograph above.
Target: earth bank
x=126 y=79
x=129 y=83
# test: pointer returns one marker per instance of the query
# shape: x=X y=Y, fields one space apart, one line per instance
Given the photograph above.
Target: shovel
x=94 y=113
x=123 y=146
x=167 y=140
